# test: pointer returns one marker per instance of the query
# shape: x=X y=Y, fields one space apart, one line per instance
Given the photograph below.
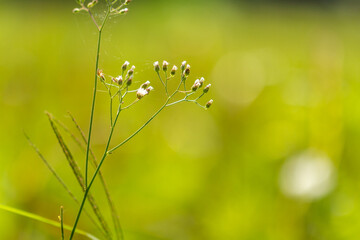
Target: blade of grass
x=62 y=222
x=45 y=220
x=61 y=181
x=115 y=216
x=76 y=170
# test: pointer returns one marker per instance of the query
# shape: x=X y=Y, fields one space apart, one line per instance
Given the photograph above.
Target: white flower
x=141 y=92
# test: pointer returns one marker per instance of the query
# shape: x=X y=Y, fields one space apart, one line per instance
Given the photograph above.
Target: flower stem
x=92 y=110
x=95 y=174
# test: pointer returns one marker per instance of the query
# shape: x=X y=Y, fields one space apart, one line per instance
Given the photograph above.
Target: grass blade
x=61 y=217
x=76 y=170
x=45 y=220
x=61 y=181
x=114 y=214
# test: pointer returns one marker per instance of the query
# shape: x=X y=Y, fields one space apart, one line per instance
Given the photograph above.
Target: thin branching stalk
x=124 y=83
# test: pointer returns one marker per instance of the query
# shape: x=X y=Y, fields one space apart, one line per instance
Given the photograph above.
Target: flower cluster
x=184 y=75
x=116 y=6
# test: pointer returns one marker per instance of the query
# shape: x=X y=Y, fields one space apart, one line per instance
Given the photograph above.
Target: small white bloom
x=145 y=85
x=141 y=92
x=156 y=66
x=149 y=89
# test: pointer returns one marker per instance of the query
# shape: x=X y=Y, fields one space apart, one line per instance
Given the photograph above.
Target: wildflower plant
x=123 y=94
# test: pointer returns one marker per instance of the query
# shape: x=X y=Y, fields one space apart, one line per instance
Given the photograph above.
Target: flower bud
x=173 y=70
x=123 y=11
x=206 y=89
x=92 y=3
x=141 y=92
x=165 y=66
x=76 y=10
x=118 y=80
x=202 y=80
x=125 y=65
x=187 y=70
x=129 y=81
x=183 y=64
x=127 y=2
x=209 y=103
x=145 y=85
x=101 y=74
x=196 y=85
x=149 y=89
x=156 y=66
x=131 y=71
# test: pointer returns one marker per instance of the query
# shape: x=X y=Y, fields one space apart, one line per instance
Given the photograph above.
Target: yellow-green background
x=285 y=78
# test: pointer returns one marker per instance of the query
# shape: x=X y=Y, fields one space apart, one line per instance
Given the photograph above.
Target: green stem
x=137 y=131
x=94 y=95
x=95 y=174
x=92 y=109
x=62 y=221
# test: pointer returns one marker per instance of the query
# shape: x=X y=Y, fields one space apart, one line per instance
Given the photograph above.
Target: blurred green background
x=275 y=158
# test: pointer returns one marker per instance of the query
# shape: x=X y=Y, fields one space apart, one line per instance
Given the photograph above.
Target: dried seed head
x=173 y=70
x=131 y=71
x=127 y=2
x=101 y=74
x=145 y=85
x=156 y=66
x=165 y=66
x=129 y=81
x=196 y=85
x=141 y=92
x=123 y=11
x=125 y=65
x=202 y=80
x=206 y=89
x=183 y=64
x=187 y=70
x=92 y=3
x=209 y=103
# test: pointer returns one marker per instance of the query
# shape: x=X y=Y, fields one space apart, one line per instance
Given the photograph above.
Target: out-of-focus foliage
x=276 y=157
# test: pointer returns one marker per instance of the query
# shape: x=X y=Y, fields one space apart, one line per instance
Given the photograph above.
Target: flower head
x=156 y=66
x=173 y=70
x=165 y=66
x=209 y=103
x=206 y=89
x=125 y=65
